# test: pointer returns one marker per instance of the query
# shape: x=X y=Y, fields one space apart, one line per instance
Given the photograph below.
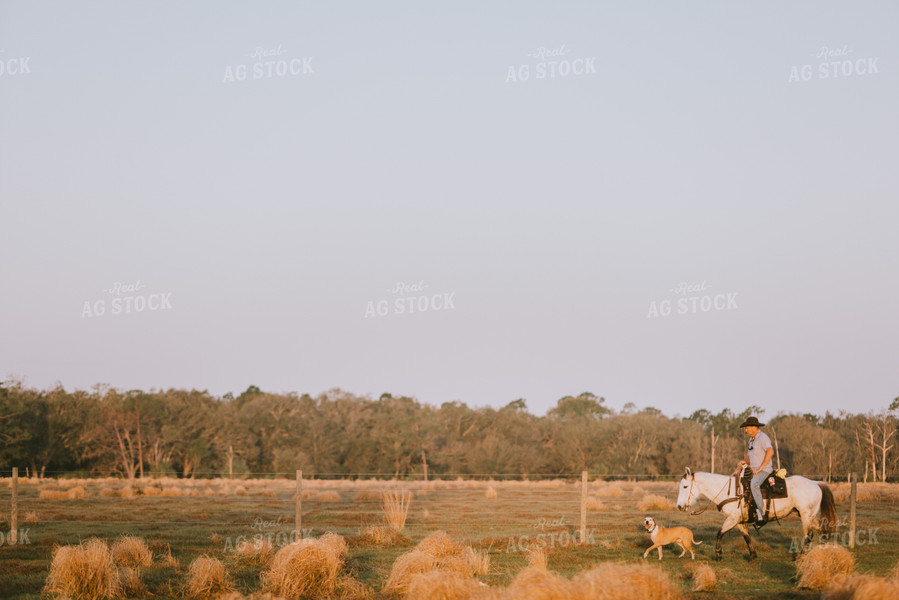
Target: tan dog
x=662 y=536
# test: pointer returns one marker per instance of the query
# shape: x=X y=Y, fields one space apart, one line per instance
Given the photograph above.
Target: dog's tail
x=697 y=543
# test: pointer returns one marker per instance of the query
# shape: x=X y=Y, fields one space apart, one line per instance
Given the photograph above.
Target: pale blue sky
x=555 y=210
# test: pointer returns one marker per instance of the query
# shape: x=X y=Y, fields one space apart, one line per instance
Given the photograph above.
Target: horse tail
x=828 y=510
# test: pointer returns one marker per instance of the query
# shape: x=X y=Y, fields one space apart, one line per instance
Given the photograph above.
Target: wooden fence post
x=852 y=498
x=583 y=507
x=14 y=517
x=299 y=524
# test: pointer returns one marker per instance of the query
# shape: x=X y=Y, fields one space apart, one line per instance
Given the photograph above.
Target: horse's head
x=686 y=490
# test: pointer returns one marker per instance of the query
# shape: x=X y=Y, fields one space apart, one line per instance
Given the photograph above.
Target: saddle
x=774 y=487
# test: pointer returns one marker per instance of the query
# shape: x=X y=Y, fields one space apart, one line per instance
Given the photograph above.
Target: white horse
x=813 y=500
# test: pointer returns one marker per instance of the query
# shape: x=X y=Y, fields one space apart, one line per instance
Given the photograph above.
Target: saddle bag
x=774 y=487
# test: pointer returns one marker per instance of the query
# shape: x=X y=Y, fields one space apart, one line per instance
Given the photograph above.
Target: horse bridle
x=690 y=493
x=709 y=503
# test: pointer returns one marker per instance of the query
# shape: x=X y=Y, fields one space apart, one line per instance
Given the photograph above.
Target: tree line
x=192 y=433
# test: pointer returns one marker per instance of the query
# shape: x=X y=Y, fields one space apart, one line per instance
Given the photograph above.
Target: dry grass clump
x=610 y=490
x=822 y=564
x=594 y=503
x=861 y=587
x=639 y=491
x=704 y=577
x=252 y=596
x=83 y=572
x=537 y=557
x=840 y=494
x=405 y=567
x=30 y=517
x=439 y=545
x=127 y=492
x=329 y=496
x=535 y=583
x=866 y=492
x=348 y=588
x=71 y=482
x=396 y=509
x=437 y=552
x=258 y=552
x=208 y=578
x=131 y=551
x=381 y=535
x=72 y=493
x=167 y=559
x=239 y=490
x=619 y=581
x=491 y=493
x=307 y=567
x=441 y=585
x=129 y=581
x=335 y=544
x=474 y=562
x=179 y=492
x=655 y=502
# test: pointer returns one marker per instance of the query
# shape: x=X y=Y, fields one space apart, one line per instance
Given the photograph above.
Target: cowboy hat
x=751 y=422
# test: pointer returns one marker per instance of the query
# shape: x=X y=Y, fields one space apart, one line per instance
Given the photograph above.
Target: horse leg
x=748 y=539
x=729 y=523
x=809 y=522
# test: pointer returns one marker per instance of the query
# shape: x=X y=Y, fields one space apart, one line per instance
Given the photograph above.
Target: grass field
x=501 y=519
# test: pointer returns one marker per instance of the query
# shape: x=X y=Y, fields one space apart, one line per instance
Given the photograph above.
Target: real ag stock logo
x=409 y=298
x=14 y=65
x=125 y=299
x=267 y=63
x=277 y=537
x=834 y=63
x=551 y=63
x=15 y=538
x=552 y=533
x=691 y=299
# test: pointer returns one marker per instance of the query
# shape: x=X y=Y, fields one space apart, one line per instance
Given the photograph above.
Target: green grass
x=205 y=525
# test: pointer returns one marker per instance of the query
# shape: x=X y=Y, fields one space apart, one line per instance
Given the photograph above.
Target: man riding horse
x=758 y=456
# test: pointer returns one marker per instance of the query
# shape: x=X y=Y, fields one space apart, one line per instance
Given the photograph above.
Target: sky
x=679 y=205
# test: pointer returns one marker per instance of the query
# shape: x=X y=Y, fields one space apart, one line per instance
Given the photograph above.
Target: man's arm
x=768 y=454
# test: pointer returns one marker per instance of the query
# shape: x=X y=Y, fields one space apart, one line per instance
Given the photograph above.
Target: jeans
x=757 y=481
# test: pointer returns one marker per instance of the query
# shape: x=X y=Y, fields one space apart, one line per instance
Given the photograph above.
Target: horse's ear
x=688 y=472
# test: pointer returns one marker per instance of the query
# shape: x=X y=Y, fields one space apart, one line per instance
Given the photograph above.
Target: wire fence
x=507 y=509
